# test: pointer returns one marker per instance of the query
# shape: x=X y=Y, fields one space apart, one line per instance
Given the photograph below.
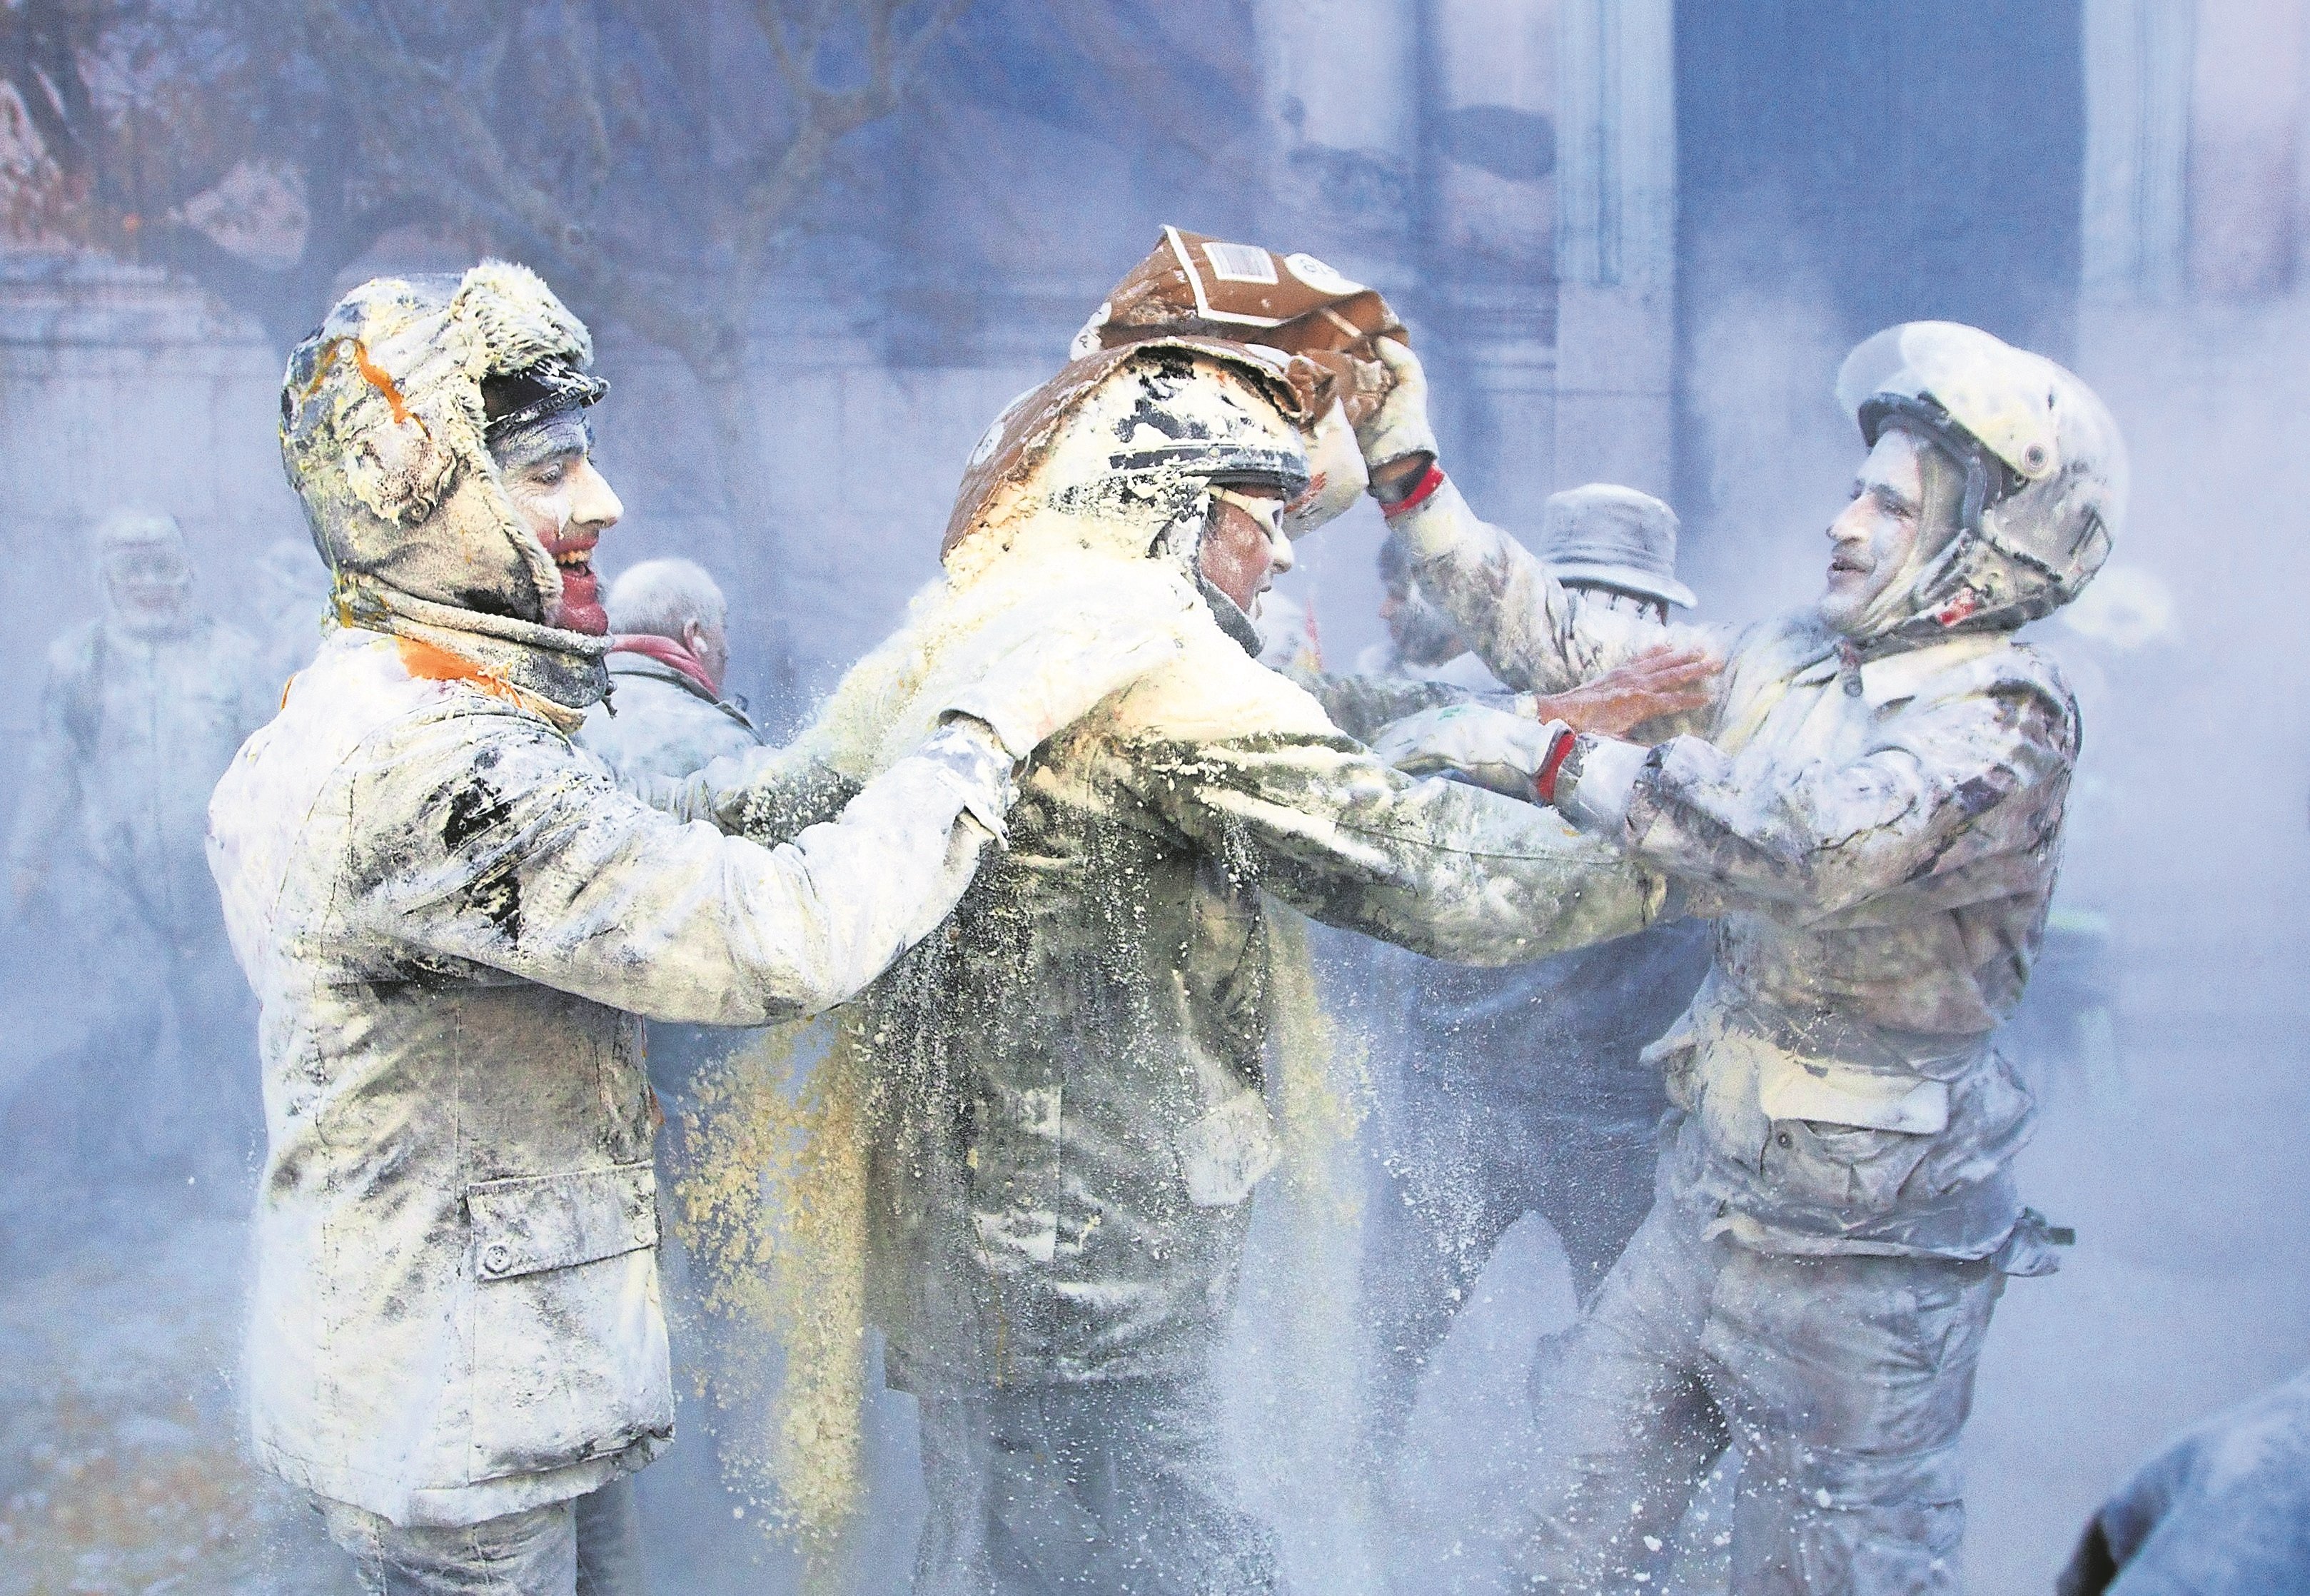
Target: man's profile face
x=1243 y=547
x=1869 y=542
x=548 y=474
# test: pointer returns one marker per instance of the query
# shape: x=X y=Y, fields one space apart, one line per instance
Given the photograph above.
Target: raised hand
x=1663 y=681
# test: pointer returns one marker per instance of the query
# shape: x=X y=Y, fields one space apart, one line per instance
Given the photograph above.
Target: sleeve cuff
x=1433 y=520
x=971 y=758
x=1593 y=792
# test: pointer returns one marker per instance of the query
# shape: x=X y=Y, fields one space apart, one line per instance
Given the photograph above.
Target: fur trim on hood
x=381 y=434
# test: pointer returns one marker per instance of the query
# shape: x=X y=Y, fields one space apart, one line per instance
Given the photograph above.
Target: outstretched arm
x=509 y=851
x=1536 y=636
x=770 y=796
x=510 y=854
x=1283 y=798
x=1954 y=800
x=1655 y=685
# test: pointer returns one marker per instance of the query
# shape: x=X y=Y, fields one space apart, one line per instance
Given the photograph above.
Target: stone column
x=2138 y=70
x=2245 y=134
x=1343 y=121
x=1487 y=191
x=1616 y=242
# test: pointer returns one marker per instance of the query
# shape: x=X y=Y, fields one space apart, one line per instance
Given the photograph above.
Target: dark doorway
x=1868 y=161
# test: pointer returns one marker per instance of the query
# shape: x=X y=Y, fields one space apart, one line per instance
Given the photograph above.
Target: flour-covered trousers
x=1107 y=1488
x=589 y=1547
x=1844 y=1383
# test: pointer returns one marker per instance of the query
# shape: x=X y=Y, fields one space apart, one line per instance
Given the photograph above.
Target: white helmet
x=2045 y=469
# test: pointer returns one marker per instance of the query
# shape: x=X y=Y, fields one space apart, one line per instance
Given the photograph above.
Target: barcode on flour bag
x=1239 y=263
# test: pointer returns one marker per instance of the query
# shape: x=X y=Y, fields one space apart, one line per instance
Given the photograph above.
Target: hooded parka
x=452 y=918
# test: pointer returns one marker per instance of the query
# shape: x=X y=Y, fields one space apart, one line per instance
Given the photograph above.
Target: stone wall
x=119 y=387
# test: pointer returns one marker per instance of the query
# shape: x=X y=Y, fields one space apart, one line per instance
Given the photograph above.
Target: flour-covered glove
x=1490 y=747
x=1595 y=780
x=1060 y=674
x=1398 y=429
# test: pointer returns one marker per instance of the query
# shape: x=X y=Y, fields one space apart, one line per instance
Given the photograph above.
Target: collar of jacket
x=1232 y=620
x=558 y=674
x=670 y=654
x=1887 y=676
x=641 y=664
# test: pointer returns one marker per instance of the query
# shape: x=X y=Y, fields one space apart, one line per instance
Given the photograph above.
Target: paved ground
x=2183 y=1168
x=121 y=1469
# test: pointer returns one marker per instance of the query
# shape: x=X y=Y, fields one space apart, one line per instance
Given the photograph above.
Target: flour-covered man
x=1066 y=1102
x=452 y=917
x=1870 y=808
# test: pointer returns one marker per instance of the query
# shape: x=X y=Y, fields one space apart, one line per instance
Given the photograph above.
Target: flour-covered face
x=148 y=581
x=1871 y=542
x=1243 y=547
x=548 y=474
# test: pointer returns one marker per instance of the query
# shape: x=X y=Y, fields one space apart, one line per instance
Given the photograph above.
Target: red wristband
x=1559 y=750
x=1421 y=492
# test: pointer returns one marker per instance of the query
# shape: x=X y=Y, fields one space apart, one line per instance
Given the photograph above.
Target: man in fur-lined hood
x=454 y=921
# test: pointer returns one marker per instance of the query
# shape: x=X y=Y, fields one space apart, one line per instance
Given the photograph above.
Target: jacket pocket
x=535 y=1222
x=569 y=1350
x=1838 y=1140
x=1853 y=1171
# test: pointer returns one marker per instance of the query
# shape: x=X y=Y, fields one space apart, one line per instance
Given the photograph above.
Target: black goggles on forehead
x=535 y=393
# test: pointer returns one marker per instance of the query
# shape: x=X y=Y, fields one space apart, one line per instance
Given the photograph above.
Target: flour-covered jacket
x=136 y=724
x=1068 y=1074
x=1878 y=834
x=657 y=722
x=452 y=918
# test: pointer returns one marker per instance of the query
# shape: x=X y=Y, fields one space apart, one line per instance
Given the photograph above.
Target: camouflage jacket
x=1877 y=834
x=1075 y=1063
x=1069 y=1077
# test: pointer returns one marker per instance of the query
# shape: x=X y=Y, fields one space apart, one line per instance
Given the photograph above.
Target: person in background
x=1421 y=644
x=1514 y=1091
x=142 y=711
x=669 y=653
